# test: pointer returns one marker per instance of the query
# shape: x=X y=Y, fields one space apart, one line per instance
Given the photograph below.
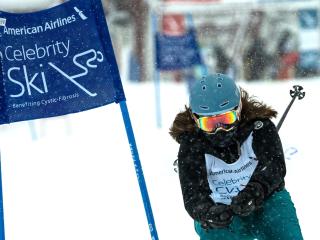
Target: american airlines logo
x=81 y=14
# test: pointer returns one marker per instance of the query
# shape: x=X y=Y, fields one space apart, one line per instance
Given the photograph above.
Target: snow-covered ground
x=73 y=177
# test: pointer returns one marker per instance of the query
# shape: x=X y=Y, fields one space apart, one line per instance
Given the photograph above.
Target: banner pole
x=158 y=98
x=33 y=131
x=139 y=171
x=191 y=24
x=2 y=235
x=156 y=72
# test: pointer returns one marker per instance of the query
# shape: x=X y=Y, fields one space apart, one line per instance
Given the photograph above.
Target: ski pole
x=294 y=94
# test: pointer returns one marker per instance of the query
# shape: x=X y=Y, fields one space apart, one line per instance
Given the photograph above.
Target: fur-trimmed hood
x=251 y=109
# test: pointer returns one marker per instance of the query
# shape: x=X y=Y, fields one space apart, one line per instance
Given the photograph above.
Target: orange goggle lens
x=212 y=123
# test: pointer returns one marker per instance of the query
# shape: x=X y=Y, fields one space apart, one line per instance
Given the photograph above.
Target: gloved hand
x=248 y=200
x=218 y=216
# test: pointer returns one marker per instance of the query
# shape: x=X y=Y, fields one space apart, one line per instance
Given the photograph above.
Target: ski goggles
x=212 y=124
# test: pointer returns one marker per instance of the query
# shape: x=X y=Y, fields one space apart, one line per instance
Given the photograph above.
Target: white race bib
x=227 y=180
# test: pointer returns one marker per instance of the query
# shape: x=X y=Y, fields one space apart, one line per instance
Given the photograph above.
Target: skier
x=231 y=165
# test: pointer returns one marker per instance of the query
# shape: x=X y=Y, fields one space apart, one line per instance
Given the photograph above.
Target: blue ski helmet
x=214 y=94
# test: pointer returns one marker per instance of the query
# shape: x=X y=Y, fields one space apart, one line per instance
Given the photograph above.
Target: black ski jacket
x=266 y=144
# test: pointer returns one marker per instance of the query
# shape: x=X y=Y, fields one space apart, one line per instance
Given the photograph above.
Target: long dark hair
x=252 y=109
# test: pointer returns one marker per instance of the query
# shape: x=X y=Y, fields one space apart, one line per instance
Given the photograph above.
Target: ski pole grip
x=296 y=92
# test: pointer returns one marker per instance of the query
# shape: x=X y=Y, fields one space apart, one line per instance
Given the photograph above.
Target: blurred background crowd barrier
x=247 y=39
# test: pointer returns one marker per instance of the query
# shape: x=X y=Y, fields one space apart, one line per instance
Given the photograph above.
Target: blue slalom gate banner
x=177 y=52
x=60 y=61
x=56 y=61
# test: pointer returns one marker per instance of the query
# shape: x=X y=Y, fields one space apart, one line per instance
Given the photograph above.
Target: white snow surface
x=74 y=177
